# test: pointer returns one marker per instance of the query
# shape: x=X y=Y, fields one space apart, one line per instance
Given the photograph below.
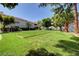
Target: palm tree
x=76 y=29
x=1 y=22
x=59 y=8
x=58 y=21
x=64 y=9
x=39 y=23
x=68 y=16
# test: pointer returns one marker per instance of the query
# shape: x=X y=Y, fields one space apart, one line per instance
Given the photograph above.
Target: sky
x=29 y=11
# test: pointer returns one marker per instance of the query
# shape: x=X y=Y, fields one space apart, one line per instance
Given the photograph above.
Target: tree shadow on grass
x=40 y=52
x=70 y=46
x=75 y=39
x=35 y=35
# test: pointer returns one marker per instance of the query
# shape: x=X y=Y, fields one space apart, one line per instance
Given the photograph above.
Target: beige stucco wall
x=19 y=23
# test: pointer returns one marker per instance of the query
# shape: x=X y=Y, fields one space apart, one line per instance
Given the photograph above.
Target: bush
x=40 y=52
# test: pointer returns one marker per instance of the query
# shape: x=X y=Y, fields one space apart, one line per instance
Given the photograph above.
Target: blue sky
x=29 y=11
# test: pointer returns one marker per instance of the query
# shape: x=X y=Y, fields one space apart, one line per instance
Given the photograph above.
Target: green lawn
x=40 y=42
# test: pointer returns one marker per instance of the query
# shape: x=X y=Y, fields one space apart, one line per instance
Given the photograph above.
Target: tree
x=9 y=6
x=46 y=22
x=58 y=21
x=1 y=19
x=76 y=29
x=7 y=20
x=73 y=7
x=39 y=23
x=68 y=17
x=59 y=8
x=63 y=19
x=1 y=23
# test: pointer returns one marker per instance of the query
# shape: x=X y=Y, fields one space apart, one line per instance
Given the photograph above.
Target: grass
x=39 y=42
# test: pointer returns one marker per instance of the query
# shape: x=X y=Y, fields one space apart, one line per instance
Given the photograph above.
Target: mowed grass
x=56 y=42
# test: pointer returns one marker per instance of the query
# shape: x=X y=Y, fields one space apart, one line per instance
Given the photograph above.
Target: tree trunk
x=60 y=28
x=3 y=28
x=0 y=27
x=75 y=18
x=66 y=26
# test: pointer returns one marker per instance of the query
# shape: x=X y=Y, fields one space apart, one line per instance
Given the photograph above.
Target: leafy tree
x=1 y=22
x=39 y=24
x=68 y=7
x=63 y=19
x=9 y=5
x=58 y=21
x=59 y=9
x=7 y=20
x=69 y=19
x=46 y=22
x=1 y=19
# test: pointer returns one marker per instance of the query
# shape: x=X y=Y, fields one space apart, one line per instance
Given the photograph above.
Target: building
x=19 y=22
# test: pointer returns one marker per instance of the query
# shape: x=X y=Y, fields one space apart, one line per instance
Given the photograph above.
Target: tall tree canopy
x=7 y=20
x=9 y=5
x=39 y=24
x=68 y=7
x=46 y=22
x=58 y=21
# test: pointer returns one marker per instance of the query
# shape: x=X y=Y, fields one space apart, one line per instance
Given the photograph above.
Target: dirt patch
x=77 y=35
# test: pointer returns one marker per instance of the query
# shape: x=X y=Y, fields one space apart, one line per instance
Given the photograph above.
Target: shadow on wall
x=71 y=46
x=40 y=52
